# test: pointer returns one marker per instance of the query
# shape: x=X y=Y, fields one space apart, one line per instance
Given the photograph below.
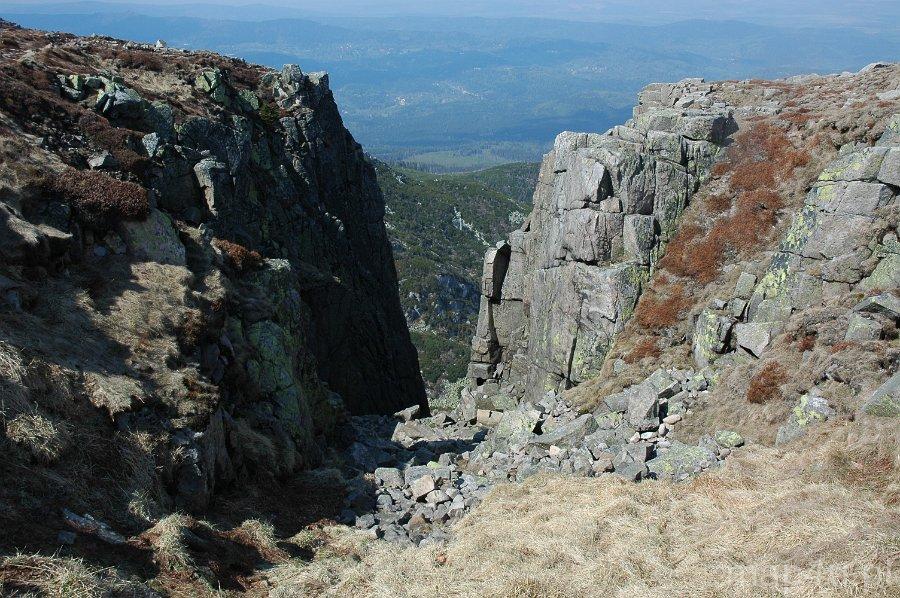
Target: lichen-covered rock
x=711 y=333
x=728 y=439
x=830 y=239
x=808 y=411
x=680 y=461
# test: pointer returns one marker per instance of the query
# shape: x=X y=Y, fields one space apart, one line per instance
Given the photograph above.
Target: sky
x=871 y=14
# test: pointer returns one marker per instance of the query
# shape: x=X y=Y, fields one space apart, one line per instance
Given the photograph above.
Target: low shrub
x=661 y=308
x=766 y=384
x=269 y=113
x=99 y=200
x=238 y=257
x=117 y=141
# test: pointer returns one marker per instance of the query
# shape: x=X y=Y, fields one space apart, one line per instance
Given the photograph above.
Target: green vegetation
x=440 y=227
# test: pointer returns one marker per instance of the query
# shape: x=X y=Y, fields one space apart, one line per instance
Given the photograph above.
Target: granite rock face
x=304 y=192
x=561 y=287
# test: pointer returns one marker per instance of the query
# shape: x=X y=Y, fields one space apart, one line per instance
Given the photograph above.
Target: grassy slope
x=439 y=259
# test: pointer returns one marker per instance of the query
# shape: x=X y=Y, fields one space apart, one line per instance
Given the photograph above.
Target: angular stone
x=496 y=263
x=885 y=401
x=638 y=237
x=755 y=338
x=421 y=486
x=810 y=410
x=711 y=333
x=890 y=168
x=488 y=418
x=409 y=414
x=861 y=165
x=568 y=435
x=886 y=304
x=389 y=476
x=746 y=282
x=643 y=407
x=862 y=328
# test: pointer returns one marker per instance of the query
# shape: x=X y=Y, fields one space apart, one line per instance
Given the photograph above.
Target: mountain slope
x=440 y=226
x=196 y=283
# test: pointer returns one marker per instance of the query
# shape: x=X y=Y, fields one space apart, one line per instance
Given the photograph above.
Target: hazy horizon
x=861 y=13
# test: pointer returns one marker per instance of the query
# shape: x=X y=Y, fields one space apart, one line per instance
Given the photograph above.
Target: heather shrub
x=661 y=308
x=766 y=384
x=238 y=257
x=648 y=346
x=98 y=199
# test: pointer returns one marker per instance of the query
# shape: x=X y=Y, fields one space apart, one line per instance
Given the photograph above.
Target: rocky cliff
x=194 y=256
x=557 y=292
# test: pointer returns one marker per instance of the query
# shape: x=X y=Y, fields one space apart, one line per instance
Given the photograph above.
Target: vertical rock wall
x=304 y=192
x=559 y=289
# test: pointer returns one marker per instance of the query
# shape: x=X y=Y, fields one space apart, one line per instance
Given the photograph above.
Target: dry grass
x=647 y=347
x=46 y=440
x=768 y=524
x=29 y=576
x=170 y=544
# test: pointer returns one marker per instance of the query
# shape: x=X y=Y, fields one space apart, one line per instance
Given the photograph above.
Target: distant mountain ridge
x=466 y=93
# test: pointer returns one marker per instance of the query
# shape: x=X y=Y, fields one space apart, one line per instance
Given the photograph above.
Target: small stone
x=436 y=497
x=488 y=418
x=729 y=439
x=420 y=487
x=671 y=420
x=365 y=521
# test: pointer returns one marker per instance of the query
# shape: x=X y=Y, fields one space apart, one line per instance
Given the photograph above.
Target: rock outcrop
x=558 y=291
x=842 y=243
x=196 y=248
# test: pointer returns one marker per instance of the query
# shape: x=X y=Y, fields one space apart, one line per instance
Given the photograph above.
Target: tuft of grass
x=44 y=439
x=27 y=576
x=170 y=546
